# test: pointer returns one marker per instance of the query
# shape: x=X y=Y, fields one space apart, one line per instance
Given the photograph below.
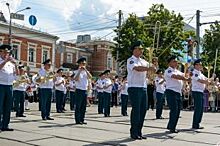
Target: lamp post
x=10 y=34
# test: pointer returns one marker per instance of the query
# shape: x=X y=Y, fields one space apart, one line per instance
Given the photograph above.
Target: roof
x=31 y=30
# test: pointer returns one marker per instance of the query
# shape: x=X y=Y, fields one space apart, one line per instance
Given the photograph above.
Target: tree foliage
x=171 y=36
x=211 y=42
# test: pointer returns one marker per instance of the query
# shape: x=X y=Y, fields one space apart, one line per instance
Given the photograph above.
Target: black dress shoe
x=136 y=137
x=21 y=116
x=143 y=137
x=78 y=123
x=44 y=119
x=173 y=131
x=84 y=123
x=7 y=129
x=49 y=118
x=198 y=127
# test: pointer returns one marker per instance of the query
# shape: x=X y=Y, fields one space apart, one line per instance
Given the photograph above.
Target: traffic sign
x=32 y=20
x=17 y=16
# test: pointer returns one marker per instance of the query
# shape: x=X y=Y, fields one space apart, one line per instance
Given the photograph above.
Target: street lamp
x=9 y=37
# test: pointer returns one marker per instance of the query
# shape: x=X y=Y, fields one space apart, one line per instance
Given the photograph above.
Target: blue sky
x=69 y=18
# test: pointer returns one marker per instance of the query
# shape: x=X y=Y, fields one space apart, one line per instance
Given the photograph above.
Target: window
x=69 y=58
x=45 y=55
x=15 y=51
x=31 y=55
x=109 y=61
x=1 y=40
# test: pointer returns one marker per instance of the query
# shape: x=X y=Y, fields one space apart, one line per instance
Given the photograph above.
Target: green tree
x=171 y=36
x=131 y=31
x=211 y=42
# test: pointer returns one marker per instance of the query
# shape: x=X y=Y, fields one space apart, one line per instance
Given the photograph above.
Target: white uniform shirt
x=72 y=85
x=22 y=86
x=33 y=87
x=159 y=87
x=61 y=87
x=82 y=83
x=107 y=82
x=171 y=83
x=49 y=84
x=7 y=73
x=125 y=90
x=135 y=78
x=197 y=86
x=100 y=84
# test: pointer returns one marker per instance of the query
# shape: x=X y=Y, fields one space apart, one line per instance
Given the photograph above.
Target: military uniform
x=7 y=76
x=160 y=88
x=59 y=92
x=124 y=99
x=72 y=90
x=197 y=94
x=45 y=93
x=19 y=96
x=173 y=95
x=137 y=92
x=81 y=94
x=107 y=94
x=99 y=85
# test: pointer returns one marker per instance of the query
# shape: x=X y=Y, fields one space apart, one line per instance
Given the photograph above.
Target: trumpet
x=22 y=79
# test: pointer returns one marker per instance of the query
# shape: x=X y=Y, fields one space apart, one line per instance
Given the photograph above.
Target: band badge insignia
x=131 y=62
x=196 y=75
x=169 y=71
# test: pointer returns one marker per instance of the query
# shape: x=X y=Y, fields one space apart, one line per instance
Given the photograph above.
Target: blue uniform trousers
x=72 y=100
x=198 y=108
x=159 y=104
x=174 y=103
x=59 y=100
x=100 y=102
x=45 y=97
x=106 y=103
x=124 y=104
x=81 y=96
x=6 y=101
x=138 y=98
x=19 y=102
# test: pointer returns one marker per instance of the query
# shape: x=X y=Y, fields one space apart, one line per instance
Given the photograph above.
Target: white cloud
x=139 y=7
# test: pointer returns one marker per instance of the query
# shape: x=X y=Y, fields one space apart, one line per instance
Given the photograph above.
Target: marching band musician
x=174 y=83
x=19 y=92
x=65 y=92
x=7 y=76
x=160 y=88
x=59 y=90
x=199 y=81
x=137 y=89
x=81 y=78
x=72 y=89
x=99 y=86
x=46 y=88
x=107 y=86
x=124 y=96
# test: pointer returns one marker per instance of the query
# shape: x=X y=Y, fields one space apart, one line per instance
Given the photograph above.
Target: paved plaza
x=102 y=130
